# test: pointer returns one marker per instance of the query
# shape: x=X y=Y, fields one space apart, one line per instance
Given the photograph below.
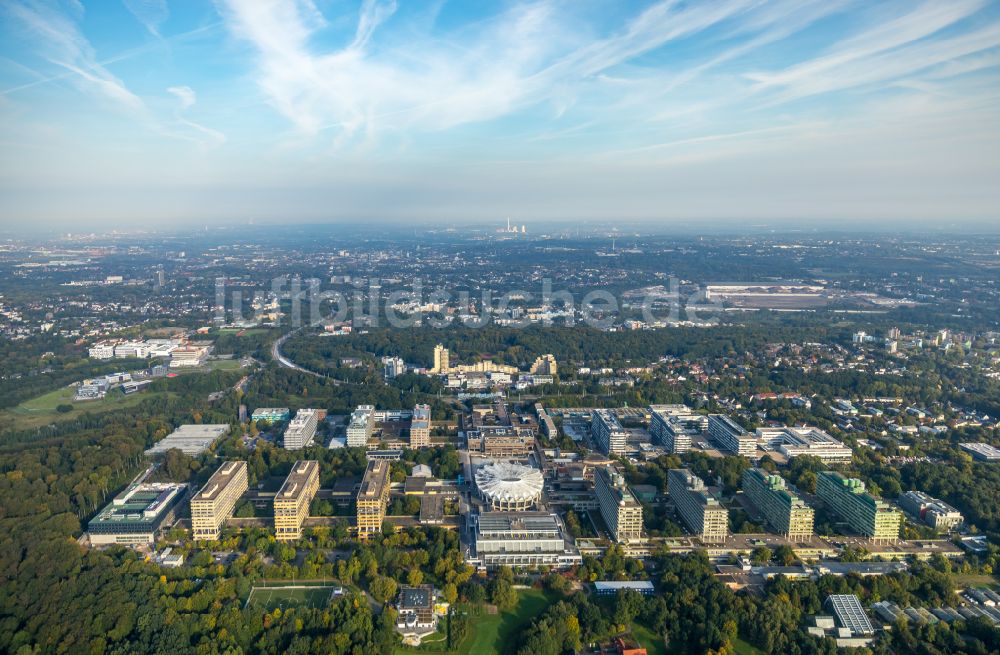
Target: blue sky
x=163 y=111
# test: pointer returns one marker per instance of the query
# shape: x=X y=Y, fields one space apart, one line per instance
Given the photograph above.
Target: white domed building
x=508 y=487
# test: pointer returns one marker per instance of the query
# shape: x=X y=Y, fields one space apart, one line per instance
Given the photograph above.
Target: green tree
x=382 y=588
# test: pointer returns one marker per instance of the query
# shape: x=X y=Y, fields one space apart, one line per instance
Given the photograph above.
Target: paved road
x=281 y=359
x=287 y=363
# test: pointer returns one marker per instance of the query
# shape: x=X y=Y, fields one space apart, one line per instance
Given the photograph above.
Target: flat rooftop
x=142 y=504
x=431 y=509
x=982 y=450
x=695 y=486
x=219 y=480
x=376 y=477
x=416 y=597
x=614 y=585
x=190 y=439
x=518 y=523
x=422 y=416
x=295 y=483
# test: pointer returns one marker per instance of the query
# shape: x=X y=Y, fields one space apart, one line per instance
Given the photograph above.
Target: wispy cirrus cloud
x=632 y=105
x=151 y=13
x=187 y=99
x=537 y=53
x=885 y=51
x=528 y=54
x=55 y=33
x=57 y=37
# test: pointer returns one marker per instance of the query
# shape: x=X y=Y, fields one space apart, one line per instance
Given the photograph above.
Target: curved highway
x=287 y=363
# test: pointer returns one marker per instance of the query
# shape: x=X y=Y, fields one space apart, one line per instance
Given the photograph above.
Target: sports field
x=269 y=598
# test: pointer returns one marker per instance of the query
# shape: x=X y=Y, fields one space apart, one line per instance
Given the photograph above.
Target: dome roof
x=509 y=482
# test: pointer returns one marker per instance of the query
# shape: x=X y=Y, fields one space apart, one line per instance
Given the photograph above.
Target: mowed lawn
x=41 y=410
x=491 y=633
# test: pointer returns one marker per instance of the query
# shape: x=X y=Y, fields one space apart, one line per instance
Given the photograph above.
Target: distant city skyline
x=799 y=113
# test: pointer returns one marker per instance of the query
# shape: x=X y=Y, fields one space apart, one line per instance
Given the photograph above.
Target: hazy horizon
x=792 y=114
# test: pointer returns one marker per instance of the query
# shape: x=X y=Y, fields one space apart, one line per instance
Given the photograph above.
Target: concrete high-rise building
x=301 y=429
x=361 y=426
x=544 y=365
x=673 y=427
x=784 y=511
x=373 y=496
x=732 y=438
x=393 y=367
x=702 y=512
x=442 y=363
x=291 y=504
x=216 y=501
x=420 y=427
x=608 y=433
x=863 y=512
x=621 y=511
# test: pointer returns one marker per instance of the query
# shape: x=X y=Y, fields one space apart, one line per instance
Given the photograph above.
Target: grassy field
x=247 y=332
x=652 y=642
x=268 y=598
x=210 y=365
x=41 y=410
x=975 y=580
x=743 y=648
x=491 y=633
x=224 y=365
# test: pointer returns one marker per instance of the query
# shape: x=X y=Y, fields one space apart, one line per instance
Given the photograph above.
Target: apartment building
x=442 y=360
x=291 y=504
x=216 y=501
x=863 y=512
x=373 y=496
x=544 y=365
x=701 y=512
x=786 y=513
x=393 y=367
x=620 y=509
